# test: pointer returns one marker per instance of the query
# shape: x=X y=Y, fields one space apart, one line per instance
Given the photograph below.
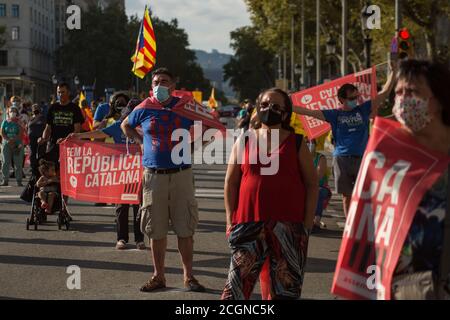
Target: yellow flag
x=198 y=96
x=212 y=103
x=297 y=124
x=82 y=98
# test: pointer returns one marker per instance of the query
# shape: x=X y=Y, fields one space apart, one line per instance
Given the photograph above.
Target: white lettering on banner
x=399 y=169
x=364 y=89
x=386 y=227
x=328 y=93
x=380 y=159
x=199 y=109
x=376 y=193
x=312 y=122
x=107 y=179
x=99 y=164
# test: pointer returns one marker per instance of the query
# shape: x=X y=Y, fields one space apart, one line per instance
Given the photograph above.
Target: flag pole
x=138 y=40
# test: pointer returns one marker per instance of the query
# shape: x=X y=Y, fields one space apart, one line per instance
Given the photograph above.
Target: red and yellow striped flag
x=144 y=58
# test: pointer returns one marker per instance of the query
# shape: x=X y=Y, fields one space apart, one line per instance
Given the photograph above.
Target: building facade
x=26 y=59
x=34 y=29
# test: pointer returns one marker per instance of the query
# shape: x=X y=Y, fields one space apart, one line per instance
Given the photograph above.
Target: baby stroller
x=39 y=216
x=37 y=213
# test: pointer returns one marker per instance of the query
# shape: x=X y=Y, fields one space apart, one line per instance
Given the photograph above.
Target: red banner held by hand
x=395 y=174
x=100 y=172
x=324 y=97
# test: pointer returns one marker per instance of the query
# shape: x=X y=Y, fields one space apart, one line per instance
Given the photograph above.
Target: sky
x=208 y=23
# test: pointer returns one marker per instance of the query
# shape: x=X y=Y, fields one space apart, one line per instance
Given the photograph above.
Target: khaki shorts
x=169 y=197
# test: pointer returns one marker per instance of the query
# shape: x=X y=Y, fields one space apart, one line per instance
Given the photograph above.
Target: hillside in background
x=212 y=64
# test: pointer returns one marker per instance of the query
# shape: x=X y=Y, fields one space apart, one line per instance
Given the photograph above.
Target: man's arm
x=99 y=124
x=307 y=112
x=99 y=118
x=46 y=134
x=77 y=127
x=130 y=132
x=387 y=88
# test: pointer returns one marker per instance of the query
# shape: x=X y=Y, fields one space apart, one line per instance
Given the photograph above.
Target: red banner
x=324 y=97
x=100 y=172
x=187 y=107
x=395 y=174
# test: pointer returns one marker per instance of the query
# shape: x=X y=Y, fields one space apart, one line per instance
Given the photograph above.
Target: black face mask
x=36 y=113
x=270 y=117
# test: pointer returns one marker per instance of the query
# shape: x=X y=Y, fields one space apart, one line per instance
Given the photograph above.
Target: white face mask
x=412 y=113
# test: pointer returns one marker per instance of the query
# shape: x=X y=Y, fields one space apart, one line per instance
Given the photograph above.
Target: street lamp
x=331 y=46
x=22 y=75
x=366 y=33
x=298 y=73
x=76 y=81
x=331 y=51
x=310 y=64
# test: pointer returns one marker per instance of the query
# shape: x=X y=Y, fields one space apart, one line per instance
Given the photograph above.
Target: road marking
x=9 y=197
x=209 y=193
x=341 y=225
x=215 y=172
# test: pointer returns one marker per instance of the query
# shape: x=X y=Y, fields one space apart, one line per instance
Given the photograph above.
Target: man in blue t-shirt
x=168 y=188
x=350 y=128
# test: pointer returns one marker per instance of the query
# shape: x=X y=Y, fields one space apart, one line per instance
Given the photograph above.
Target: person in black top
x=36 y=127
x=63 y=118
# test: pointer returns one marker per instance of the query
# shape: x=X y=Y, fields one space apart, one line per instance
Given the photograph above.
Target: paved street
x=33 y=263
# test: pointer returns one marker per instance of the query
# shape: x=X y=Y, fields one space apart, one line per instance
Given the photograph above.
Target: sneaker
x=192 y=284
x=4 y=184
x=121 y=245
x=141 y=246
x=153 y=284
x=19 y=184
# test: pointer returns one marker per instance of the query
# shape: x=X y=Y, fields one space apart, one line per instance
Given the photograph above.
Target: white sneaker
x=121 y=245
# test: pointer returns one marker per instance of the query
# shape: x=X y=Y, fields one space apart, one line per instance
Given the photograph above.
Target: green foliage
x=272 y=20
x=101 y=51
x=250 y=70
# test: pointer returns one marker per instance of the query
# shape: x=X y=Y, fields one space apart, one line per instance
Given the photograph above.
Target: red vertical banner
x=100 y=172
x=395 y=174
x=324 y=97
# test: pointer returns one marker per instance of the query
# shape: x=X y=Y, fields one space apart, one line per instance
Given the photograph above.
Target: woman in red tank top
x=270 y=198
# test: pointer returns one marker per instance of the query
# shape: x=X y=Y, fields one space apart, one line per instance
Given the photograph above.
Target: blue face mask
x=161 y=93
x=352 y=104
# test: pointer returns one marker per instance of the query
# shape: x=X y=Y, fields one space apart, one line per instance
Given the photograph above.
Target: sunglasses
x=274 y=106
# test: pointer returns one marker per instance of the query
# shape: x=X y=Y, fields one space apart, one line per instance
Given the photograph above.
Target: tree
x=250 y=70
x=428 y=15
x=271 y=19
x=101 y=51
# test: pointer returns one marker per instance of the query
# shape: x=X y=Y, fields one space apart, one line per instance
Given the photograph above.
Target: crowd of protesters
x=269 y=218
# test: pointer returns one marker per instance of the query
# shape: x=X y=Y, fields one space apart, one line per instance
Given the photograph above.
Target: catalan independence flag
x=144 y=58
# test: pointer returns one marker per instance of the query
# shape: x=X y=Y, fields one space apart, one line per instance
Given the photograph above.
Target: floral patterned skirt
x=284 y=243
